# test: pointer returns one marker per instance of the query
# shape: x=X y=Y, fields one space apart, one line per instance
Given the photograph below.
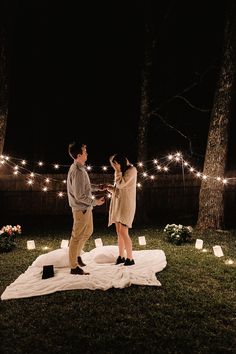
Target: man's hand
x=100 y=201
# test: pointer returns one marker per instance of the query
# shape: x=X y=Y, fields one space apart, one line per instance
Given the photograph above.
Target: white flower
x=178 y=233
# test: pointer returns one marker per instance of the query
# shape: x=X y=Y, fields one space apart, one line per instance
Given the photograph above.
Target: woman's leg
x=125 y=240
x=121 y=244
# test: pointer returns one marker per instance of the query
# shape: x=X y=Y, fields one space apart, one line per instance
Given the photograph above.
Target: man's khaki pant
x=81 y=231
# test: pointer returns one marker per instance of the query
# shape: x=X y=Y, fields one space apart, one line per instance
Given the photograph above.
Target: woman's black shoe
x=129 y=262
x=120 y=260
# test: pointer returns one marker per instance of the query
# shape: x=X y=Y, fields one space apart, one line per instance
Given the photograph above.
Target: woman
x=123 y=205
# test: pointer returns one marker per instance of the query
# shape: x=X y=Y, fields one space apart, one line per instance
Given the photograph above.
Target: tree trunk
x=145 y=87
x=211 y=198
x=3 y=89
x=145 y=114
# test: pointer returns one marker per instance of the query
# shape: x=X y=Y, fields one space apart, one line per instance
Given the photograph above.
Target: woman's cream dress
x=123 y=200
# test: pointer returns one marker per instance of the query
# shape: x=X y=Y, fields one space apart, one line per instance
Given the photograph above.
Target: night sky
x=75 y=73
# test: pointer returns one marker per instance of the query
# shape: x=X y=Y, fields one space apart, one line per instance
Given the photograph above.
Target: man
x=79 y=191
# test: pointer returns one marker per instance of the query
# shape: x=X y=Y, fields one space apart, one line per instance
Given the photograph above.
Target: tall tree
x=151 y=30
x=211 y=198
x=3 y=87
x=145 y=91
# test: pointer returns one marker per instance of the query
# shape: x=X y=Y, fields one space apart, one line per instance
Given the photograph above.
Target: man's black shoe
x=80 y=262
x=78 y=271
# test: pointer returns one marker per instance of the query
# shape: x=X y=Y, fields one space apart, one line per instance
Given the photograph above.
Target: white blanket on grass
x=100 y=263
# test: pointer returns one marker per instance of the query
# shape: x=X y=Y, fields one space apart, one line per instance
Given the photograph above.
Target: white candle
x=199 y=244
x=64 y=243
x=31 y=245
x=142 y=240
x=218 y=251
x=98 y=242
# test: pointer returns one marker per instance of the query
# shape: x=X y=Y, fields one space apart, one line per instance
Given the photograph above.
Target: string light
x=154 y=166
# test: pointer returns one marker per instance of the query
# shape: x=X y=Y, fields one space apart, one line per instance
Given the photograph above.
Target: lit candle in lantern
x=98 y=242
x=142 y=240
x=199 y=244
x=64 y=243
x=31 y=245
x=218 y=251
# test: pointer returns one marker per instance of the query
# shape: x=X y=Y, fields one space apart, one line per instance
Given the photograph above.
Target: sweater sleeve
x=122 y=181
x=81 y=190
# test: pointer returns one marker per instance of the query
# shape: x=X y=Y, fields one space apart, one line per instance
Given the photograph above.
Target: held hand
x=100 y=201
x=102 y=187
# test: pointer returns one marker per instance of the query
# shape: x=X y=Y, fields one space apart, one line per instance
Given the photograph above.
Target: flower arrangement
x=7 y=237
x=178 y=233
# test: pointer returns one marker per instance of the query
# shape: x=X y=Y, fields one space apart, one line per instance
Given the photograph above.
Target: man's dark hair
x=75 y=148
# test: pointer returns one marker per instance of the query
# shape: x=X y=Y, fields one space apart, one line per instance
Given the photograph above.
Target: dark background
x=75 y=73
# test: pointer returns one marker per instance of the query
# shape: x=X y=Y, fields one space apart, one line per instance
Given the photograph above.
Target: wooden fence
x=169 y=198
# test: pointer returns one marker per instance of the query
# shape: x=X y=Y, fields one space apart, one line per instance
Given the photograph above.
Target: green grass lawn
x=194 y=311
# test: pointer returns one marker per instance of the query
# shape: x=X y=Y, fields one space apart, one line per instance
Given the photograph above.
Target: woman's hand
x=114 y=163
x=116 y=166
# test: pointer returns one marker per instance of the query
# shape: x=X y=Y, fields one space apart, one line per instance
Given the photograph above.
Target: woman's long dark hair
x=122 y=160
